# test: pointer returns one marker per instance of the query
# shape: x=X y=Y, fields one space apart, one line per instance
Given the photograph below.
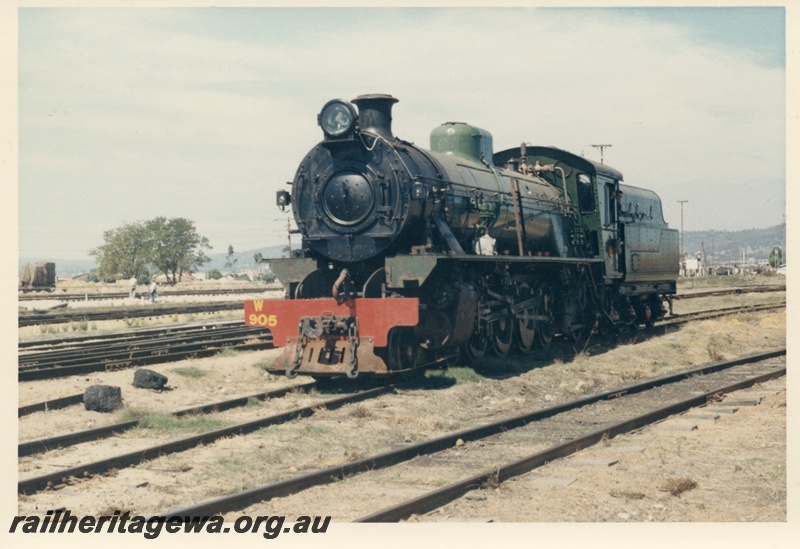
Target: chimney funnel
x=375 y=113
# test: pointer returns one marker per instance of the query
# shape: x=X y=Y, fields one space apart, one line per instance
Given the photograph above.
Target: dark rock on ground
x=148 y=379
x=102 y=398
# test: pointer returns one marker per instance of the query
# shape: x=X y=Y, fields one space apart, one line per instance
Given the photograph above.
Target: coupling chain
x=352 y=339
x=302 y=341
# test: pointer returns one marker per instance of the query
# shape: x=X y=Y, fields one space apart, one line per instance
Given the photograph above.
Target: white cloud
x=131 y=98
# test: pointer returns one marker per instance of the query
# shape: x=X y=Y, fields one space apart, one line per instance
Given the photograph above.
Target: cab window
x=586 y=194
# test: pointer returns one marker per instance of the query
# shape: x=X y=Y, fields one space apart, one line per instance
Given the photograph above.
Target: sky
x=125 y=114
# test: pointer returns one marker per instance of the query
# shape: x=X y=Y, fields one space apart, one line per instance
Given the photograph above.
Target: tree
x=776 y=257
x=230 y=261
x=171 y=246
x=125 y=253
x=176 y=246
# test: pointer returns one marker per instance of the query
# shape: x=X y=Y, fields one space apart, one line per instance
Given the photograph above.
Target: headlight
x=337 y=118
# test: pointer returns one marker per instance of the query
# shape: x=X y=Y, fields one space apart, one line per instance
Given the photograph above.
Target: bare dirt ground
x=733 y=470
x=729 y=470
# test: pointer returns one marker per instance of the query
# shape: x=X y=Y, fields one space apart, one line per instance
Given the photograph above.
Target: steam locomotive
x=411 y=257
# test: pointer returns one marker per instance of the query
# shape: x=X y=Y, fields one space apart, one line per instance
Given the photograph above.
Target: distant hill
x=63 y=266
x=244 y=260
x=757 y=242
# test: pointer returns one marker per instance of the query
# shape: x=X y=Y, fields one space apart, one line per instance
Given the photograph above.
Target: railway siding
x=728 y=470
x=339 y=435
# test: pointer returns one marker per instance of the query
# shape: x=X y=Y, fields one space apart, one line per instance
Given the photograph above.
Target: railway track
x=54 y=479
x=32 y=369
x=85 y=296
x=682 y=318
x=46 y=444
x=497 y=474
x=128 y=341
x=709 y=380
x=44 y=318
x=731 y=291
x=35 y=318
x=47 y=344
x=446 y=443
x=116 y=356
x=282 y=487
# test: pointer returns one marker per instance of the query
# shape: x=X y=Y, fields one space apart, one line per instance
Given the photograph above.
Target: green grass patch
x=228 y=352
x=79 y=326
x=134 y=322
x=263 y=364
x=311 y=430
x=168 y=424
x=232 y=465
x=452 y=376
x=732 y=281
x=189 y=371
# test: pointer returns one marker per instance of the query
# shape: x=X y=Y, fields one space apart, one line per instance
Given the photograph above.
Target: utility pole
x=602 y=148
x=730 y=267
x=704 y=263
x=783 y=241
x=288 y=232
x=683 y=250
x=712 y=253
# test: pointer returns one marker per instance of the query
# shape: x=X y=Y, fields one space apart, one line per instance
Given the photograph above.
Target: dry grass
x=626 y=495
x=168 y=424
x=677 y=486
x=492 y=482
x=189 y=371
x=359 y=411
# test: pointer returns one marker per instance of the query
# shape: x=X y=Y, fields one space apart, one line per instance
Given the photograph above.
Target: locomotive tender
x=410 y=256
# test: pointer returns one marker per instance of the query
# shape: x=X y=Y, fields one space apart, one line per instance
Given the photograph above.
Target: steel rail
x=437 y=498
x=150 y=346
x=35 y=318
x=36 y=484
x=682 y=318
x=729 y=291
x=161 y=292
x=46 y=444
x=329 y=475
x=30 y=345
x=115 y=348
x=148 y=357
x=55 y=404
